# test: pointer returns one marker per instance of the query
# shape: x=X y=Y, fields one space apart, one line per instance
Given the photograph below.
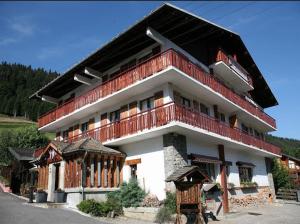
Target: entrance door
x=56 y=176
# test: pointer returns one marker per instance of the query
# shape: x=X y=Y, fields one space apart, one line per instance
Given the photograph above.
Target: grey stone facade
x=175 y=154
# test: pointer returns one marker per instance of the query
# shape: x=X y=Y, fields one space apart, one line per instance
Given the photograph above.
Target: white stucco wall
x=150 y=172
x=232 y=155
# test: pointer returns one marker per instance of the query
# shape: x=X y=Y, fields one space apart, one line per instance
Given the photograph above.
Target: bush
x=94 y=208
x=130 y=194
x=281 y=176
x=170 y=202
x=163 y=215
x=114 y=202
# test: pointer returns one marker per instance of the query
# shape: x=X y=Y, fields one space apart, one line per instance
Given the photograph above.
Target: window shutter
x=91 y=124
x=196 y=105
x=132 y=108
x=124 y=111
x=158 y=99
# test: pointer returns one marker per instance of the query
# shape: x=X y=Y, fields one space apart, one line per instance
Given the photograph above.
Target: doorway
x=57 y=166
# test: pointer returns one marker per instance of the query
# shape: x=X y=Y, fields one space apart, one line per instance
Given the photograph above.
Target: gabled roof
x=89 y=145
x=170 y=21
x=184 y=171
x=82 y=145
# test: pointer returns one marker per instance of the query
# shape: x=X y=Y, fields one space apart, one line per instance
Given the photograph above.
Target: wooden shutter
x=132 y=108
x=158 y=99
x=177 y=97
x=233 y=121
x=91 y=124
x=124 y=111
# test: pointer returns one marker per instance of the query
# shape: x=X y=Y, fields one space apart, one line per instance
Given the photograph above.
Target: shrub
x=163 y=215
x=94 y=208
x=170 y=202
x=130 y=194
x=114 y=202
x=85 y=206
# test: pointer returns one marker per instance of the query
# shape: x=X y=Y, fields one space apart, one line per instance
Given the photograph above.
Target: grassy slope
x=11 y=123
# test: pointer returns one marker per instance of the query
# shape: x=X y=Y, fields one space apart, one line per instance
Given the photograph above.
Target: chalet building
x=172 y=90
x=293 y=166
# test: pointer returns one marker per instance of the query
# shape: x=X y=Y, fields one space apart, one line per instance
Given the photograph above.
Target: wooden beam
x=93 y=73
x=49 y=99
x=223 y=179
x=80 y=78
x=133 y=161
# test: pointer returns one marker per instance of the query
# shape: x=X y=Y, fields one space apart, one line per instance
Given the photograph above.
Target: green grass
x=11 y=124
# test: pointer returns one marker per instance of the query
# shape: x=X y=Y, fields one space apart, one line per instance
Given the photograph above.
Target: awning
x=244 y=164
x=205 y=159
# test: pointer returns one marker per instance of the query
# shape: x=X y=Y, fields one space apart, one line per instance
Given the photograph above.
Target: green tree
x=281 y=176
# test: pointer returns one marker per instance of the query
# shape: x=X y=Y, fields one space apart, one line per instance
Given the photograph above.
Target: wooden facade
x=146 y=69
x=101 y=170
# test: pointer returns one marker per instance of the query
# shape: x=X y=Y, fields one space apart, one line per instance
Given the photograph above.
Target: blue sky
x=56 y=35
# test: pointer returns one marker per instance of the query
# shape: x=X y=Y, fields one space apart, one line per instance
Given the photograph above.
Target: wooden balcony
x=166 y=114
x=146 y=69
x=231 y=62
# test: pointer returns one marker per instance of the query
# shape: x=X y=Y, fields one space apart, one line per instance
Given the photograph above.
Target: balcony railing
x=231 y=62
x=146 y=69
x=166 y=114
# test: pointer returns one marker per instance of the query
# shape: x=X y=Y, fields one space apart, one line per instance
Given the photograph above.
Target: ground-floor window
x=245 y=174
x=133 y=171
x=208 y=169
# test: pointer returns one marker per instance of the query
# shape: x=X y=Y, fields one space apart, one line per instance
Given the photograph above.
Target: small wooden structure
x=188 y=181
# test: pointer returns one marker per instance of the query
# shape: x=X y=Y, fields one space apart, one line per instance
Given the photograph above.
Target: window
x=245 y=128
x=185 y=102
x=208 y=169
x=84 y=127
x=115 y=116
x=133 y=169
x=65 y=134
x=204 y=109
x=245 y=174
x=147 y=104
x=222 y=117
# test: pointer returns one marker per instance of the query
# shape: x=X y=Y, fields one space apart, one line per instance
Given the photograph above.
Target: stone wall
x=175 y=154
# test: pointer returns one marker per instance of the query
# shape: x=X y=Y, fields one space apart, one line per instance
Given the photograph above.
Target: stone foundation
x=249 y=197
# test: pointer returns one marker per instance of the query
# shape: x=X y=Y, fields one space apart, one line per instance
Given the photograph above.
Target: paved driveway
x=288 y=213
x=17 y=211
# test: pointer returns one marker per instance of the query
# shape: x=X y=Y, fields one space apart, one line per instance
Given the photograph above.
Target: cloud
x=8 y=40
x=22 y=27
x=16 y=29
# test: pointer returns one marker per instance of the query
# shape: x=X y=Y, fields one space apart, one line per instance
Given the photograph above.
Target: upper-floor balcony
x=172 y=117
x=232 y=72
x=137 y=79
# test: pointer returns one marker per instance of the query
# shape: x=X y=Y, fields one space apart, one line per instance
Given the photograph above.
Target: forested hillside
x=289 y=146
x=17 y=83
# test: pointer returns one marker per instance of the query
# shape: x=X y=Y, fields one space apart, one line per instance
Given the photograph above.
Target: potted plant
x=59 y=196
x=41 y=196
x=248 y=184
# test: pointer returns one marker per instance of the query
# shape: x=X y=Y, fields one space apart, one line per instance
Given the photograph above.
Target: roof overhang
x=169 y=21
